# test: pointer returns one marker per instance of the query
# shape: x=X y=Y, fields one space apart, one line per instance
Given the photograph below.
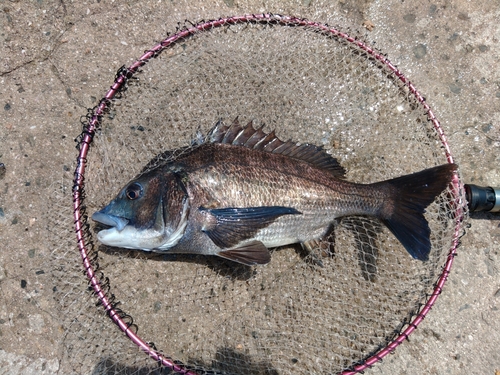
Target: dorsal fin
x=257 y=139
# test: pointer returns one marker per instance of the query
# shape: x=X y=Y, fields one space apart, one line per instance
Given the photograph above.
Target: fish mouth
x=117 y=231
x=112 y=221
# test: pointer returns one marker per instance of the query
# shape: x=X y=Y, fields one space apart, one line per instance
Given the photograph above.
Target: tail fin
x=404 y=213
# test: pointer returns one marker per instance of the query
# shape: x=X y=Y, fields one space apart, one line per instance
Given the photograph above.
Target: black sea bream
x=242 y=191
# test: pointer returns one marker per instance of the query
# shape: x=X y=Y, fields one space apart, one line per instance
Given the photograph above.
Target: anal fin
x=252 y=253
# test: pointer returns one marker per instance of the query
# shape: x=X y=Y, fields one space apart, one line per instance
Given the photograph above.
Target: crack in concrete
x=57 y=74
x=44 y=55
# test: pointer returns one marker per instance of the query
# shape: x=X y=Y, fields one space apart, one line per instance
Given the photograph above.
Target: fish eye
x=134 y=191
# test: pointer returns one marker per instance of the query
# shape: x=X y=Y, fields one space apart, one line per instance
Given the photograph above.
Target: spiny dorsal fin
x=257 y=139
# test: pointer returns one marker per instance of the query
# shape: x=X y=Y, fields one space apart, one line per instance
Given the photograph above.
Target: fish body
x=243 y=191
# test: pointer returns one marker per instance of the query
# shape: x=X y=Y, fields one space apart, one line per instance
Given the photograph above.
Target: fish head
x=149 y=213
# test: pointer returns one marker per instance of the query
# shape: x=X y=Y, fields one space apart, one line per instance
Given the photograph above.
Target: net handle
x=124 y=74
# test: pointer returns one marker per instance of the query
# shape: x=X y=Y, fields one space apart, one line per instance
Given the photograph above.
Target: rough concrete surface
x=58 y=57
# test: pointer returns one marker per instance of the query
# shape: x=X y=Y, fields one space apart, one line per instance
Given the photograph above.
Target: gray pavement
x=58 y=57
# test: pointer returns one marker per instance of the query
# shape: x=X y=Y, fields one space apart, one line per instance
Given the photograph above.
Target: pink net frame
x=124 y=74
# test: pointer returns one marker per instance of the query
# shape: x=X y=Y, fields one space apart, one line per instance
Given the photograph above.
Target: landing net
x=201 y=315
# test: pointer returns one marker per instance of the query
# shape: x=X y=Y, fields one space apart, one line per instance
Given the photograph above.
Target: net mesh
x=290 y=316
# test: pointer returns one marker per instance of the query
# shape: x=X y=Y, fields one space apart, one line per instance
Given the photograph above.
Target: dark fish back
x=257 y=139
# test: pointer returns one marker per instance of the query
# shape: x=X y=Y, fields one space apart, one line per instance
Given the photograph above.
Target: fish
x=240 y=191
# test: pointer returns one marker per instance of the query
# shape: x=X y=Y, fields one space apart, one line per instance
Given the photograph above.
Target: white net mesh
x=289 y=316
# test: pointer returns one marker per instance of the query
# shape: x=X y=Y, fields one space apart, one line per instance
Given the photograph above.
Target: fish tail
x=404 y=213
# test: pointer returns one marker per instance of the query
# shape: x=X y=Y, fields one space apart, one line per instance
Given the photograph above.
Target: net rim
x=124 y=74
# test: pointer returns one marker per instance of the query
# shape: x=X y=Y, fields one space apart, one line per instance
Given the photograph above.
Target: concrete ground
x=58 y=57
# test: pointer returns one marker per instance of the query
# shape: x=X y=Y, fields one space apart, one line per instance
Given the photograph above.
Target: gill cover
x=149 y=213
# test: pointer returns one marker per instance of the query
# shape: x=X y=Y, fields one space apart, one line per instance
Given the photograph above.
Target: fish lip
x=113 y=221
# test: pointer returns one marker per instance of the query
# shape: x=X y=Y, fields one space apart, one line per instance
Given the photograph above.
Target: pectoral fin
x=227 y=227
x=250 y=254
